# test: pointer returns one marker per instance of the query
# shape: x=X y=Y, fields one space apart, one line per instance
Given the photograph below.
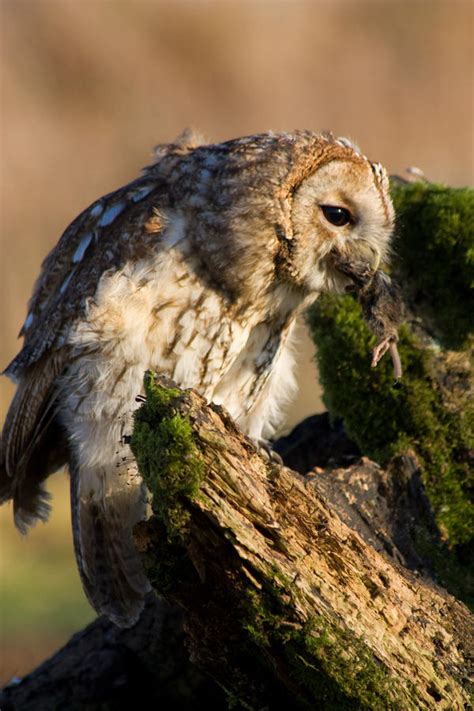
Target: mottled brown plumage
x=198 y=270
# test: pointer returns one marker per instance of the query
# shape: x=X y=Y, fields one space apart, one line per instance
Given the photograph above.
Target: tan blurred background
x=88 y=87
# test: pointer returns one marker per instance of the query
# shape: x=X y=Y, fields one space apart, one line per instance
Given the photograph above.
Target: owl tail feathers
x=30 y=506
x=110 y=567
x=30 y=499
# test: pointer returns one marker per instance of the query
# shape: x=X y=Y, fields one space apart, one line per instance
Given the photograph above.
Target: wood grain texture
x=269 y=570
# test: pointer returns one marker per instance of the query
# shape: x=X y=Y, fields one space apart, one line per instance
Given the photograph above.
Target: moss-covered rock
x=432 y=412
x=435 y=256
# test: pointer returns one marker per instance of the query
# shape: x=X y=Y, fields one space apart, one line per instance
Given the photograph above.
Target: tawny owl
x=197 y=270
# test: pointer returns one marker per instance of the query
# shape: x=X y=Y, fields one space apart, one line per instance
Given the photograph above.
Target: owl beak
x=360 y=266
x=372 y=255
x=375 y=260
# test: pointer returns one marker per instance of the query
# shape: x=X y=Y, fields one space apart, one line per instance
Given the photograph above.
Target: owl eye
x=338 y=216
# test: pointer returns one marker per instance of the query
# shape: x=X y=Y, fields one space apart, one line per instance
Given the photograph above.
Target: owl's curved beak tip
x=374 y=262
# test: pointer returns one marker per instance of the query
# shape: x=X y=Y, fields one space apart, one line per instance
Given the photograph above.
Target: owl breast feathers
x=196 y=270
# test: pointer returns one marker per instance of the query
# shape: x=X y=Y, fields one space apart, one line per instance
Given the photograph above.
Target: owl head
x=270 y=209
x=342 y=206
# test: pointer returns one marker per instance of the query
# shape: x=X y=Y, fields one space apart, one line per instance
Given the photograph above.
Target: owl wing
x=107 y=234
x=102 y=237
x=33 y=443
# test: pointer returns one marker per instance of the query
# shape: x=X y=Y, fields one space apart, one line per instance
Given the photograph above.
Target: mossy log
x=284 y=603
x=290 y=586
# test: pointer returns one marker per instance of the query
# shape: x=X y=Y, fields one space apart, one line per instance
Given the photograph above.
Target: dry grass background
x=89 y=87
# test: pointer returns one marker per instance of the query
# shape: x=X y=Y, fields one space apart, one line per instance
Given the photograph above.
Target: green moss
x=330 y=666
x=435 y=255
x=167 y=456
x=384 y=420
x=456 y=576
x=434 y=264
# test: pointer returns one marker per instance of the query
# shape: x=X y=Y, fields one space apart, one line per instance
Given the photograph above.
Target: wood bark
x=283 y=601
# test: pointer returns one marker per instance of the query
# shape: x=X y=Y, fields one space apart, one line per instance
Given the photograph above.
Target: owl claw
x=264 y=448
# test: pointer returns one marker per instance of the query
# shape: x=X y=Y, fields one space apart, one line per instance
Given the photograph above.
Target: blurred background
x=87 y=89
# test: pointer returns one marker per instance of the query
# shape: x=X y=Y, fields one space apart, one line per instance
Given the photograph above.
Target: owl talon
x=264 y=448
